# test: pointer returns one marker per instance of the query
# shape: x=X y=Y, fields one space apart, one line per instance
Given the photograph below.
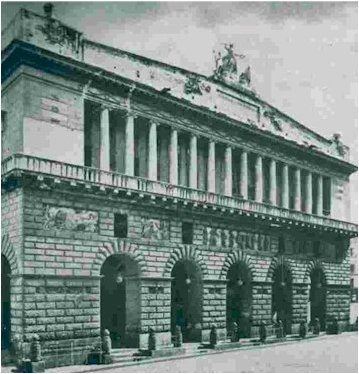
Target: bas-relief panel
x=311 y=248
x=63 y=218
x=233 y=239
x=238 y=239
x=155 y=229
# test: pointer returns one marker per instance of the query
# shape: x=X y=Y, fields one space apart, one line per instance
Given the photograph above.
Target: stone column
x=228 y=171
x=130 y=145
x=259 y=179
x=319 y=207
x=193 y=162
x=243 y=184
x=211 y=169
x=105 y=139
x=152 y=151
x=297 y=190
x=285 y=187
x=308 y=193
x=173 y=155
x=273 y=182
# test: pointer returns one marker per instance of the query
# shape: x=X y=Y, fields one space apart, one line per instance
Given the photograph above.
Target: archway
x=186 y=300
x=5 y=304
x=239 y=298
x=318 y=296
x=120 y=301
x=282 y=297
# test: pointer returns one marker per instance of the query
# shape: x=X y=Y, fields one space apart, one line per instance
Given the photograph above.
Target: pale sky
x=303 y=56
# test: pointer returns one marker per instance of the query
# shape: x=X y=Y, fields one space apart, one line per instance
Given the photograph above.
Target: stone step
x=123 y=355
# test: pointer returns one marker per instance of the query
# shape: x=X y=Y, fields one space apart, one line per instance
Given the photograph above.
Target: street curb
x=250 y=347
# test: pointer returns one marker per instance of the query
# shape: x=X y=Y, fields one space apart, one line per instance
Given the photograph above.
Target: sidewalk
x=246 y=345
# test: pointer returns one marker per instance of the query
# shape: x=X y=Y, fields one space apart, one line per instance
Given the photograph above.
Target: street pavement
x=330 y=354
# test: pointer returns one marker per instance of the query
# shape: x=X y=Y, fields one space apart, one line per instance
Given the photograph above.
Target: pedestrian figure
x=178 y=339
x=262 y=332
x=302 y=330
x=316 y=326
x=235 y=332
x=279 y=329
x=213 y=336
x=152 y=340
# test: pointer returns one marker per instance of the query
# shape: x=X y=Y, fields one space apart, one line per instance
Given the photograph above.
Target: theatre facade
x=139 y=195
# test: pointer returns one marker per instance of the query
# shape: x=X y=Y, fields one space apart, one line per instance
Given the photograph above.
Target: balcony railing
x=117 y=180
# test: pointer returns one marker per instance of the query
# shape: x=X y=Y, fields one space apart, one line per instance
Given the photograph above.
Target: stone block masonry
x=57 y=290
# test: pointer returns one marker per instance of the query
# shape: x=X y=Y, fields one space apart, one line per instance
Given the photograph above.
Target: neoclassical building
x=140 y=195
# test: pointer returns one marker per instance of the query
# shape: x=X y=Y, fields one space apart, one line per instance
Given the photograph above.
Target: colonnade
x=291 y=188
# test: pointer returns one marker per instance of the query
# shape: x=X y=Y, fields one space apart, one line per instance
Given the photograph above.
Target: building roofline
x=147 y=60
x=89 y=69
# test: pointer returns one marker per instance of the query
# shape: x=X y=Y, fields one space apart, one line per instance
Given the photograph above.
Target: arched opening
x=186 y=300
x=120 y=300
x=239 y=298
x=5 y=304
x=318 y=296
x=282 y=297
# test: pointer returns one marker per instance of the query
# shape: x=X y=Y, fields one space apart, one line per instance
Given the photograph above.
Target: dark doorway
x=120 y=301
x=5 y=304
x=282 y=297
x=239 y=299
x=318 y=297
x=186 y=300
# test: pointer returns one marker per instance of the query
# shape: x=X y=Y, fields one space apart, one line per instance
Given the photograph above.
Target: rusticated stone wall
x=61 y=263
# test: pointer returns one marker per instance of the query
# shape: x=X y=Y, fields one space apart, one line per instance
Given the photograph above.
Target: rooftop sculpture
x=227 y=69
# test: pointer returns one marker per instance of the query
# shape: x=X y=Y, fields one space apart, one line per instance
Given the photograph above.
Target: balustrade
x=92 y=175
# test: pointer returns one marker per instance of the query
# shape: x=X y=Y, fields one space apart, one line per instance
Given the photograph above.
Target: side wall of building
x=12 y=105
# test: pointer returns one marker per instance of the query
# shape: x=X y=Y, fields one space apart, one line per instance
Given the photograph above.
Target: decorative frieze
x=225 y=238
x=62 y=218
x=316 y=248
x=155 y=229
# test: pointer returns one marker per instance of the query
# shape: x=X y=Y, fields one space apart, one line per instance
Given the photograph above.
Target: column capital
x=105 y=106
x=129 y=113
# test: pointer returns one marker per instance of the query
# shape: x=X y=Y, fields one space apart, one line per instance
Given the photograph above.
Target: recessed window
x=120 y=225
x=187 y=232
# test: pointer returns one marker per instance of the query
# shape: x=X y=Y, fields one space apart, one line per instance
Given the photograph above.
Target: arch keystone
x=118 y=246
x=235 y=257
x=185 y=252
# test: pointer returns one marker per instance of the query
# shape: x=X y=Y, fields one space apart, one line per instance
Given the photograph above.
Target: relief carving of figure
x=217 y=237
x=207 y=235
x=262 y=242
x=68 y=219
x=154 y=229
x=242 y=240
x=249 y=240
x=225 y=241
x=338 y=144
x=234 y=238
x=255 y=241
x=192 y=85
